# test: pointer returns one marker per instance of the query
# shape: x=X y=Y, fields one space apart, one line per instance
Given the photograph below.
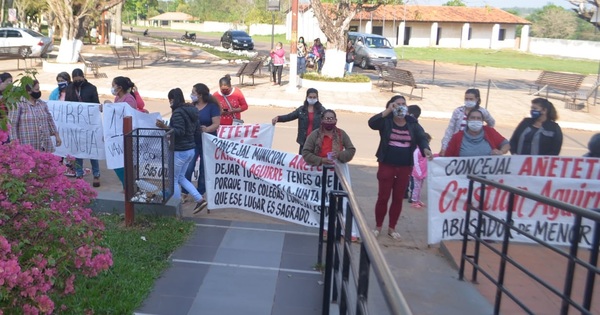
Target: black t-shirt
x=398 y=152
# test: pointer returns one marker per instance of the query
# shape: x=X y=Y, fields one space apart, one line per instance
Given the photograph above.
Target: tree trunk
x=335 y=61
x=70 y=46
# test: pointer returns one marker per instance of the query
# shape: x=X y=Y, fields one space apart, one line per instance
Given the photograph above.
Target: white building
x=430 y=26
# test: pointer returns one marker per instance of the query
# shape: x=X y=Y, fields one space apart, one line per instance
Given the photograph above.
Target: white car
x=23 y=42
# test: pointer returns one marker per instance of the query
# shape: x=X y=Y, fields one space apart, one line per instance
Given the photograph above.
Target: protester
x=400 y=135
x=458 y=121
x=63 y=80
x=477 y=139
x=278 y=58
x=209 y=118
x=349 y=57
x=5 y=80
x=308 y=116
x=80 y=90
x=594 y=146
x=318 y=52
x=301 y=56
x=184 y=122
x=31 y=121
x=419 y=173
x=122 y=89
x=231 y=100
x=539 y=134
x=328 y=143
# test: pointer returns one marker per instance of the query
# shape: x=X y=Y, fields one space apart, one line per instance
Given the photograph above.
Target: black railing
x=573 y=260
x=350 y=286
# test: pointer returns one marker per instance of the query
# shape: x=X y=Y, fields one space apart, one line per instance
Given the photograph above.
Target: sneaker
x=200 y=206
x=376 y=233
x=395 y=235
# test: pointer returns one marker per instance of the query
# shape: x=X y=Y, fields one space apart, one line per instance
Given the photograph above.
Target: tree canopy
x=454 y=3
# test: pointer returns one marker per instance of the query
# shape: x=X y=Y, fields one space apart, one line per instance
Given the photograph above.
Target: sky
x=499 y=3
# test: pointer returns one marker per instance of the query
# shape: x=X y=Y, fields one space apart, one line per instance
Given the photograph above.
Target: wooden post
x=128 y=156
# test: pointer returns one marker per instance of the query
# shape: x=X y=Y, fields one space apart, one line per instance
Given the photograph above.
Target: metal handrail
x=571 y=256
x=391 y=292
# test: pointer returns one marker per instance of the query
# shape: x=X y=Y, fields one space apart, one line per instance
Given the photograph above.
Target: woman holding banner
x=328 y=143
x=540 y=134
x=209 y=117
x=184 y=123
x=232 y=102
x=477 y=139
x=31 y=121
x=308 y=116
x=400 y=134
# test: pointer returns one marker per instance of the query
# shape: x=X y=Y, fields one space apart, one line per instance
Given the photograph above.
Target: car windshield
x=377 y=42
x=32 y=33
x=239 y=34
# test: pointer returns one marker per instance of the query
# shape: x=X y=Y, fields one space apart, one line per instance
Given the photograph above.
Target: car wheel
x=363 y=63
x=223 y=44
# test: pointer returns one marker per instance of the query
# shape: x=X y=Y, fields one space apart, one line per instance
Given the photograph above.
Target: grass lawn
x=136 y=265
x=499 y=59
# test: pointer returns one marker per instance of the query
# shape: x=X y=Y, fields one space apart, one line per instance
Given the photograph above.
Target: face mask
x=311 y=101
x=475 y=125
x=302 y=41
x=328 y=125
x=400 y=111
x=535 y=114
x=113 y=91
x=36 y=95
x=77 y=83
x=194 y=97
x=225 y=91
x=470 y=104
x=62 y=85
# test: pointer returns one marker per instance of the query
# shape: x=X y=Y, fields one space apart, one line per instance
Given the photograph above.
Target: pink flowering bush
x=48 y=236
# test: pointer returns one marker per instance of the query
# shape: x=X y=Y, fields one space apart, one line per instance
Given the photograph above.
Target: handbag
x=234 y=121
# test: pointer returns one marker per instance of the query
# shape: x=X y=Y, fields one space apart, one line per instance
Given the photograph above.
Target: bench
x=127 y=54
x=17 y=53
x=248 y=69
x=565 y=82
x=400 y=77
x=572 y=101
x=94 y=66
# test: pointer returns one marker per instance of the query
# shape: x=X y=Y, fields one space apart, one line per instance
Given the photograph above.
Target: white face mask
x=312 y=101
x=113 y=91
x=194 y=97
x=475 y=125
x=470 y=104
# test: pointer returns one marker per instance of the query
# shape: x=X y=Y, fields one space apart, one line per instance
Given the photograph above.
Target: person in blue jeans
x=184 y=123
x=80 y=90
x=209 y=116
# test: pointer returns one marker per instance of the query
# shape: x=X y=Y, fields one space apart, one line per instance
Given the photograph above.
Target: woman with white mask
x=308 y=116
x=477 y=139
x=458 y=121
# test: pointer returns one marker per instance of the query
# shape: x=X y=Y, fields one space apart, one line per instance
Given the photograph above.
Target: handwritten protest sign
x=80 y=129
x=113 y=129
x=263 y=180
x=574 y=180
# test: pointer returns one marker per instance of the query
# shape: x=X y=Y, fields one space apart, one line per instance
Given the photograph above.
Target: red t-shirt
x=311 y=117
x=326 y=146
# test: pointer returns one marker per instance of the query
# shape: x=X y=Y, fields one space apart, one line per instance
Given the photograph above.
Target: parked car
x=24 y=42
x=372 y=49
x=237 y=40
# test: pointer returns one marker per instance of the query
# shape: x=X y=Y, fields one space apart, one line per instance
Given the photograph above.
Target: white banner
x=113 y=129
x=80 y=129
x=263 y=180
x=574 y=180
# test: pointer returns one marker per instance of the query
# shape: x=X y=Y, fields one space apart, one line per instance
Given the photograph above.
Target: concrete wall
x=564 y=48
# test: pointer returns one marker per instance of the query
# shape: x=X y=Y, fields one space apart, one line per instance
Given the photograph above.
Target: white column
x=433 y=34
x=494 y=39
x=369 y=27
x=401 y=32
x=464 y=38
x=524 y=45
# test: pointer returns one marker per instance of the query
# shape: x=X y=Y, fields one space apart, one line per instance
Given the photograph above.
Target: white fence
x=565 y=48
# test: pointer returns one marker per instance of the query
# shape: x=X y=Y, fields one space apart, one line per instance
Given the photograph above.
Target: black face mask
x=36 y=95
x=77 y=83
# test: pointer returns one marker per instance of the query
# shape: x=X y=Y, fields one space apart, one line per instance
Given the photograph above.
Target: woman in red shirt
x=328 y=143
x=231 y=99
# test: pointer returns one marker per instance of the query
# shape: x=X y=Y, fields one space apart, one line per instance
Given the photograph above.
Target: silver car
x=372 y=49
x=23 y=42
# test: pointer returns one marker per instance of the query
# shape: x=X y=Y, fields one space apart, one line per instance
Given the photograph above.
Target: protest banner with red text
x=574 y=180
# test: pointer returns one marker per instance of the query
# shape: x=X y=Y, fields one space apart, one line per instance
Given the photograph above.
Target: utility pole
x=292 y=86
